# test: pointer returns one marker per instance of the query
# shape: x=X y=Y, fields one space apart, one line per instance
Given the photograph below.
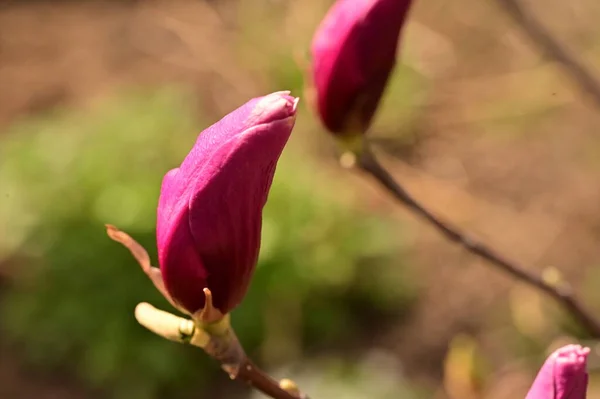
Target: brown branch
x=544 y=40
x=209 y=329
x=261 y=381
x=220 y=343
x=561 y=292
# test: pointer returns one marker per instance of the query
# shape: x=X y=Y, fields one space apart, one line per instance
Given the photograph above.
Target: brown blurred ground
x=511 y=153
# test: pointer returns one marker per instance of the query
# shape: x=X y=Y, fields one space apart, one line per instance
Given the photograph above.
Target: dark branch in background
x=561 y=292
x=552 y=48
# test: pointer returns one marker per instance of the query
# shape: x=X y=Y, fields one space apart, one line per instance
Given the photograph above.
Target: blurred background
x=353 y=297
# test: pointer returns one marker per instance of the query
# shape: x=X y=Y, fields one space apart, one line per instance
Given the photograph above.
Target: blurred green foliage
x=326 y=273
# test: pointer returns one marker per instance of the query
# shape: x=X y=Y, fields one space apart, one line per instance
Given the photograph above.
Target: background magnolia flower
x=563 y=375
x=210 y=208
x=354 y=52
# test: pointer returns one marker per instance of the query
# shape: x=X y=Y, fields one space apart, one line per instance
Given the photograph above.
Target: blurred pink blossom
x=563 y=375
x=353 y=55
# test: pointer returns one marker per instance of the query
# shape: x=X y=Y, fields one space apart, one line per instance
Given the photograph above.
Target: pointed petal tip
x=295 y=104
x=113 y=232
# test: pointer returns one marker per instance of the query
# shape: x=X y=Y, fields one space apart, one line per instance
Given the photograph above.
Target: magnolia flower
x=563 y=375
x=210 y=208
x=354 y=53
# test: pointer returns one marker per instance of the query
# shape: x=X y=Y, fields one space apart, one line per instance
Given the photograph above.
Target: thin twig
x=561 y=292
x=261 y=381
x=552 y=48
x=224 y=348
x=209 y=329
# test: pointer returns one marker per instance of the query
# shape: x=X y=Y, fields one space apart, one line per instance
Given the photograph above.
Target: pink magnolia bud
x=563 y=375
x=354 y=53
x=210 y=208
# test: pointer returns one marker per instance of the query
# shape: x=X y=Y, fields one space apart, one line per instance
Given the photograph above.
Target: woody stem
x=219 y=341
x=227 y=350
x=258 y=379
x=562 y=293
